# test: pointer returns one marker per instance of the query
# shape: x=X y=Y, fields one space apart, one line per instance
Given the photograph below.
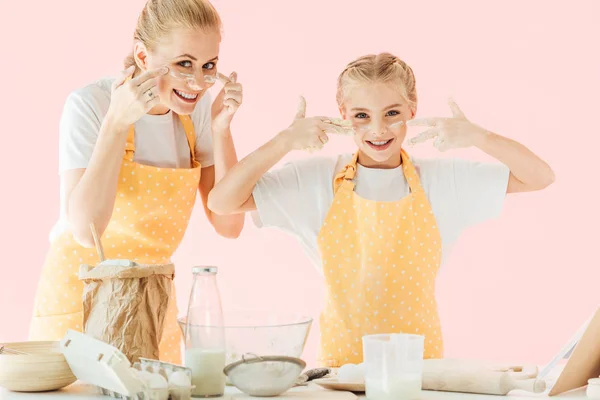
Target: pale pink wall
x=529 y=70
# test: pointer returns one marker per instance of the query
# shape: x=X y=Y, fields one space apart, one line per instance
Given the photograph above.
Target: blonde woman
x=134 y=153
x=378 y=223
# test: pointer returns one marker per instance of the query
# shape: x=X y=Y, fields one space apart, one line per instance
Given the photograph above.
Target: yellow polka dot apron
x=380 y=261
x=151 y=213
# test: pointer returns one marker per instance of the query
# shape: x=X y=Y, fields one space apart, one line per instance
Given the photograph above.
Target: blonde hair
x=159 y=17
x=380 y=68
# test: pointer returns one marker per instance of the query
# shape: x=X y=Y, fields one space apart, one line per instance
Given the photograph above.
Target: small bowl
x=44 y=368
x=265 y=376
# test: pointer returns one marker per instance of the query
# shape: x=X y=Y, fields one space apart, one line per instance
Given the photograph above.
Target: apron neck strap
x=130 y=145
x=410 y=173
x=346 y=175
x=190 y=134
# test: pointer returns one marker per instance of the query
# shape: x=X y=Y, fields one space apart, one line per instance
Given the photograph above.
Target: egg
x=593 y=388
x=361 y=368
x=154 y=381
x=351 y=373
x=180 y=379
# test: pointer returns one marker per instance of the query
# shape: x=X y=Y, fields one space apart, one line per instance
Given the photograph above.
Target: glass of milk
x=205 y=335
x=393 y=365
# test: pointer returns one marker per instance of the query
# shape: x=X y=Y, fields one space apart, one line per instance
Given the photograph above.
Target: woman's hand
x=227 y=102
x=131 y=99
x=448 y=133
x=311 y=133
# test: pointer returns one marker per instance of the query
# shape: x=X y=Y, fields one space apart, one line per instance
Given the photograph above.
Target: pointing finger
x=301 y=112
x=424 y=136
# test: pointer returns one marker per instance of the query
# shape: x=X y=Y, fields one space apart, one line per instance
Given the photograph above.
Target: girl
x=134 y=152
x=377 y=223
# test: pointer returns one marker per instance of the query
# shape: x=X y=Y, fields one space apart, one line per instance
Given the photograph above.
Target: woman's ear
x=140 y=55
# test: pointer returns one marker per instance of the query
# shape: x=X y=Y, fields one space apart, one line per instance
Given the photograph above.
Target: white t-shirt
x=160 y=140
x=297 y=196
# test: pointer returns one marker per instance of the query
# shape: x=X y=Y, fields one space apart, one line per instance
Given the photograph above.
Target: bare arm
x=229 y=226
x=223 y=109
x=233 y=193
x=91 y=192
x=528 y=172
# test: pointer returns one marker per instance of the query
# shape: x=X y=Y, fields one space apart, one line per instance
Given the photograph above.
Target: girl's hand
x=311 y=133
x=447 y=133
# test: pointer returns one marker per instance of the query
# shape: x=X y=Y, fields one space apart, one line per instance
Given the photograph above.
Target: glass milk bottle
x=205 y=335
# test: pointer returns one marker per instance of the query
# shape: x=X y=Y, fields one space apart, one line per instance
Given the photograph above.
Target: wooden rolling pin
x=466 y=376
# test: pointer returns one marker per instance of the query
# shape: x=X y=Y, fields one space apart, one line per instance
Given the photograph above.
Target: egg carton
x=164 y=369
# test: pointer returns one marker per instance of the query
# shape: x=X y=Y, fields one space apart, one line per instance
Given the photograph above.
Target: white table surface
x=80 y=391
x=83 y=391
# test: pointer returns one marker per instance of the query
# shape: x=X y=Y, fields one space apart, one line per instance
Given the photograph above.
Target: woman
x=134 y=151
x=378 y=223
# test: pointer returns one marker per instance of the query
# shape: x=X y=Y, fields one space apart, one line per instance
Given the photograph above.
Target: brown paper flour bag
x=125 y=305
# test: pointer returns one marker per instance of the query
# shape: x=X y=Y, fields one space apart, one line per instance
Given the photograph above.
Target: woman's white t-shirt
x=297 y=196
x=160 y=140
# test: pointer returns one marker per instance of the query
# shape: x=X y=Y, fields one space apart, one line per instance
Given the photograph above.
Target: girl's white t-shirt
x=296 y=197
x=160 y=140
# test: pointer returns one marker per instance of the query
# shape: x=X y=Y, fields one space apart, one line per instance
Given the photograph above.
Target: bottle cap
x=205 y=270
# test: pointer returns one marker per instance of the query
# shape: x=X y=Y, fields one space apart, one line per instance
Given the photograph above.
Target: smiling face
x=192 y=56
x=378 y=112
x=378 y=94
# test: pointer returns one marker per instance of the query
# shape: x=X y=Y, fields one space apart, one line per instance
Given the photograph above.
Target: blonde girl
x=378 y=223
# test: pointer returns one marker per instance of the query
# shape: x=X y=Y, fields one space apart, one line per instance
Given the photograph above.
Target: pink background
x=515 y=289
